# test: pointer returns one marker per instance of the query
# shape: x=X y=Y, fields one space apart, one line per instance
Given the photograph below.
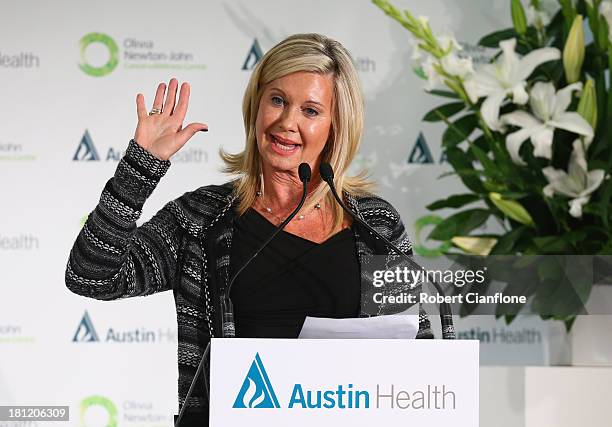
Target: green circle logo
x=113 y=52
x=105 y=403
x=421 y=249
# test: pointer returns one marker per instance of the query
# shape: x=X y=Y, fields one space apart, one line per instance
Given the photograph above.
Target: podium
x=332 y=382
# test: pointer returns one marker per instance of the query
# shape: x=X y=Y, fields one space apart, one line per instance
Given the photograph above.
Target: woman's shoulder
x=206 y=202
x=373 y=206
x=209 y=193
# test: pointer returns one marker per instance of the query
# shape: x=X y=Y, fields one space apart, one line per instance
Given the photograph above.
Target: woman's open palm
x=163 y=134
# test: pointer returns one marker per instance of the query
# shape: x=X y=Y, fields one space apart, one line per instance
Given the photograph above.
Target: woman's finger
x=183 y=101
x=188 y=131
x=141 y=110
x=170 y=97
x=159 y=96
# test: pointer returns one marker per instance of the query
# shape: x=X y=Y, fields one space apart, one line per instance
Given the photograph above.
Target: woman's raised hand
x=163 y=134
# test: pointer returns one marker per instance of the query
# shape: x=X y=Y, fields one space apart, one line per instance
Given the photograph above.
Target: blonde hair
x=311 y=53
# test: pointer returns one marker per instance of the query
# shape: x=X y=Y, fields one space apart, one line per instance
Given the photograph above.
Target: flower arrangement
x=528 y=133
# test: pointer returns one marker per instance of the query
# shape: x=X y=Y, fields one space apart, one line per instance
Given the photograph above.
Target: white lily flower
x=448 y=43
x=458 y=66
x=506 y=76
x=550 y=112
x=578 y=184
x=433 y=78
x=451 y=63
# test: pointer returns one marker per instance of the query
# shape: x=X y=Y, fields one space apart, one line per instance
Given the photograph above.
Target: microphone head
x=304 y=172
x=326 y=172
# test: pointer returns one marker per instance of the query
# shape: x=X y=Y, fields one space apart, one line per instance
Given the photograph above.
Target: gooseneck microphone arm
x=227 y=308
x=446 y=318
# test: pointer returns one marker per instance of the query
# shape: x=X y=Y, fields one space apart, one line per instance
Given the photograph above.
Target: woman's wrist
x=146 y=160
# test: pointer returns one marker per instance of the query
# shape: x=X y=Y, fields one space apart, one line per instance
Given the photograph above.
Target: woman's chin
x=282 y=164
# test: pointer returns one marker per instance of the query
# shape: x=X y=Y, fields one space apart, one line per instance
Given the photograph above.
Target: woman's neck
x=282 y=191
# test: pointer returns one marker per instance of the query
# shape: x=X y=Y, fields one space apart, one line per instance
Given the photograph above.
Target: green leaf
x=443 y=112
x=488 y=164
x=607 y=249
x=568 y=323
x=455 y=201
x=443 y=93
x=459 y=130
x=462 y=164
x=569 y=13
x=551 y=244
x=505 y=244
x=459 y=224
x=512 y=195
x=493 y=39
x=420 y=73
x=606 y=195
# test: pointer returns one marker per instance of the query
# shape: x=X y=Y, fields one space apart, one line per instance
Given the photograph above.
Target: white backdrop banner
x=70 y=72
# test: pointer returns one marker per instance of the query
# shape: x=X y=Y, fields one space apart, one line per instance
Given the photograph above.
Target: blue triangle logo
x=253 y=56
x=86 y=331
x=420 y=152
x=256 y=390
x=86 y=149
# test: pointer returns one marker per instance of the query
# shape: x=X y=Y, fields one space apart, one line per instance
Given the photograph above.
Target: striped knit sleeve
x=113 y=258
x=399 y=237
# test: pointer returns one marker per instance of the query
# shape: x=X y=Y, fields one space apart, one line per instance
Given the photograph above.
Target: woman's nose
x=288 y=119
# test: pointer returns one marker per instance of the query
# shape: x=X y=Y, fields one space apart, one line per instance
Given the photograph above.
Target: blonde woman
x=303 y=103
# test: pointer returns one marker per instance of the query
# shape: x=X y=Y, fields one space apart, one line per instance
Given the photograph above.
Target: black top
x=290 y=279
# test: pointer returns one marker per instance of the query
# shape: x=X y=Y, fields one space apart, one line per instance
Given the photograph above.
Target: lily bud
x=512 y=209
x=518 y=17
x=587 y=107
x=475 y=245
x=573 y=53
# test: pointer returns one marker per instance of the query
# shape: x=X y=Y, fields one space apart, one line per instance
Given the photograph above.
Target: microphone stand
x=446 y=318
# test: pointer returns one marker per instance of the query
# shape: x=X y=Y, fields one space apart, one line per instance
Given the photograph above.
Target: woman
x=303 y=103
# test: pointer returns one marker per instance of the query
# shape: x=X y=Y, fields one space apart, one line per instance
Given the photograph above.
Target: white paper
x=402 y=326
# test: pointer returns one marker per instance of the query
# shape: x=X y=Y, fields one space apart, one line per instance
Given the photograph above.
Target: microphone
x=446 y=318
x=227 y=308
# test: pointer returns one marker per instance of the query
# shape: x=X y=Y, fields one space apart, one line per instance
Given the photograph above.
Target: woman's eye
x=277 y=100
x=311 y=111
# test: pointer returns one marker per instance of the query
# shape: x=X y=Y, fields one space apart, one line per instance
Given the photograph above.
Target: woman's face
x=294 y=121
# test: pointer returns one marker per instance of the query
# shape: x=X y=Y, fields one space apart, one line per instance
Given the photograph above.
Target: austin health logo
x=113 y=54
x=85 y=331
x=421 y=154
x=256 y=390
x=86 y=150
x=253 y=56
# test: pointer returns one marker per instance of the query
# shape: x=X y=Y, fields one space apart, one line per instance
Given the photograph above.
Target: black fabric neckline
x=263 y=220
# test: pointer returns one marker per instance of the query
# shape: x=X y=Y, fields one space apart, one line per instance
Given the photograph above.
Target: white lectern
x=331 y=382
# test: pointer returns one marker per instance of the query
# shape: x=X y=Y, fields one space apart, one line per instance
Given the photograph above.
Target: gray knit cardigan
x=186 y=248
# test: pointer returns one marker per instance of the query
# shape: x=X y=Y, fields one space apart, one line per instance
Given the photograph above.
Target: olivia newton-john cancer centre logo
x=256 y=390
x=113 y=54
x=107 y=416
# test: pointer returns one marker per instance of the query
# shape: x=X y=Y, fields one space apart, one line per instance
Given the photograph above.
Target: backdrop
x=70 y=71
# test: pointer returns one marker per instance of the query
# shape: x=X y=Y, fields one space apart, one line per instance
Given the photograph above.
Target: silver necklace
x=271 y=212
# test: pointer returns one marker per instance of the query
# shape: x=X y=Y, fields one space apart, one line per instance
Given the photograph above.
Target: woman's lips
x=283 y=148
